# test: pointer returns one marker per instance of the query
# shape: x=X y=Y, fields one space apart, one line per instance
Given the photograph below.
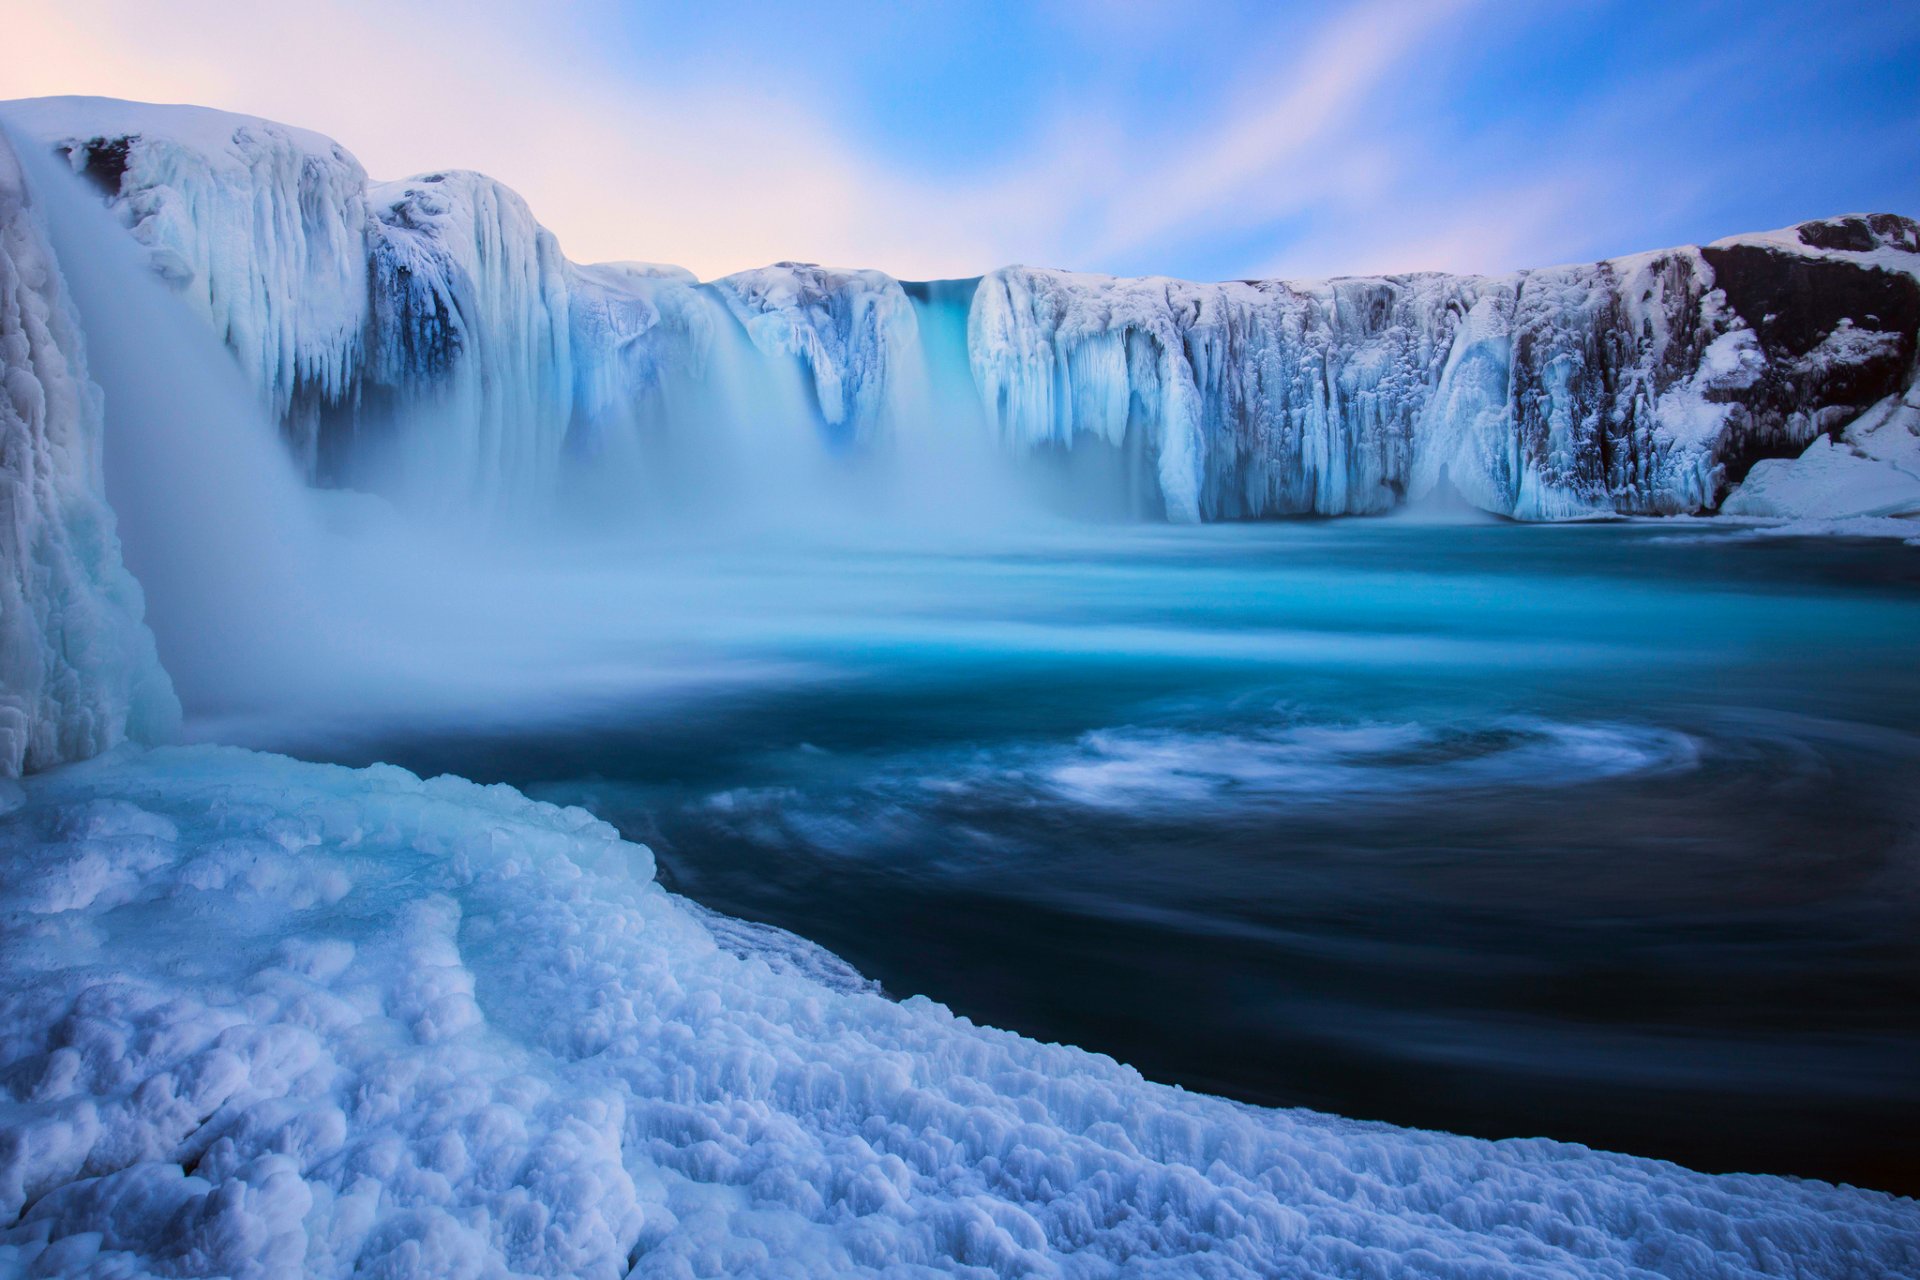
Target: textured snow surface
x=1643 y=385
x=261 y=1017
x=78 y=670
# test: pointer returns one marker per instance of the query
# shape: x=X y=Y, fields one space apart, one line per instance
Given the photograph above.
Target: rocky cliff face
x=1834 y=310
x=434 y=321
x=1644 y=385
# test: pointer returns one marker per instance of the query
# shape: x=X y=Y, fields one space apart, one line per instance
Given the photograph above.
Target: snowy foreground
x=264 y=1017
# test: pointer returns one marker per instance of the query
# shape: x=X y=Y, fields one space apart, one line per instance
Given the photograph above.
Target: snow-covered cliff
x=431 y=329
x=1642 y=385
x=78 y=671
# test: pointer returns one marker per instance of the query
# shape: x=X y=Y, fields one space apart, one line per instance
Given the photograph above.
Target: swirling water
x=1608 y=833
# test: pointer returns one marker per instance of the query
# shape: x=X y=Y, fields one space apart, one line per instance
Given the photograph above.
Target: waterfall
x=215 y=521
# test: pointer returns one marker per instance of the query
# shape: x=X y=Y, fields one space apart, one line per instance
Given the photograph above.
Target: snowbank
x=78 y=671
x=1873 y=470
x=263 y=1016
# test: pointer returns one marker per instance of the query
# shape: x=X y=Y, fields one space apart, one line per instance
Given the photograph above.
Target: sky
x=1193 y=139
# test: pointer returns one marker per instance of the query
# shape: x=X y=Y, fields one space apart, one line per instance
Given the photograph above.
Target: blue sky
x=1202 y=140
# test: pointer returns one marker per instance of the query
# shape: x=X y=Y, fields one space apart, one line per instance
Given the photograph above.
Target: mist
x=679 y=535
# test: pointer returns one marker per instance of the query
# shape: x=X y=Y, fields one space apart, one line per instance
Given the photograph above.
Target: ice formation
x=271 y=1017
x=470 y=340
x=1642 y=385
x=1639 y=385
x=856 y=331
x=262 y=227
x=78 y=671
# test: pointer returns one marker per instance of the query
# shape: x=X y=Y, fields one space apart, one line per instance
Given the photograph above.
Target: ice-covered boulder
x=78 y=671
x=443 y=1030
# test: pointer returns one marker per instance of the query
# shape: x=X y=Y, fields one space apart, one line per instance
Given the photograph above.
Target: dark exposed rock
x=1793 y=303
x=103 y=161
x=1838 y=336
x=1862 y=233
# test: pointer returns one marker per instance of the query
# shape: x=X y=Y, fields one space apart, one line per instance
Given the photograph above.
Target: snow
x=1873 y=471
x=1828 y=482
x=1884 y=241
x=444 y=1030
x=78 y=670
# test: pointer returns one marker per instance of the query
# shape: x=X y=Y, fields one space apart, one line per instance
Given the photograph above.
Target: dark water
x=1606 y=833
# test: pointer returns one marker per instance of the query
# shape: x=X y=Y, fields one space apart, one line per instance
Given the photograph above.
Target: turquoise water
x=1608 y=833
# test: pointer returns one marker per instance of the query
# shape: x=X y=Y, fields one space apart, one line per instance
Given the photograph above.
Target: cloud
x=721 y=176
x=717 y=179
x=1271 y=149
x=1387 y=134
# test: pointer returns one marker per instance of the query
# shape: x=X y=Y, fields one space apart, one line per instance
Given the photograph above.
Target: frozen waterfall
x=427 y=339
x=78 y=671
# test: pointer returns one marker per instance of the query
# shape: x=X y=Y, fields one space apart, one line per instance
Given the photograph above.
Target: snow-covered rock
x=265 y=1018
x=1872 y=470
x=78 y=670
x=1827 y=482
